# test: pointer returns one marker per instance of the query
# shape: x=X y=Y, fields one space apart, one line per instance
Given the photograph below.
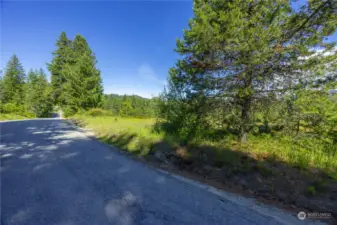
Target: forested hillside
x=130 y=105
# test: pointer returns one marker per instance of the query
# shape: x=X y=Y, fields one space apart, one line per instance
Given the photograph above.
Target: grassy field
x=131 y=134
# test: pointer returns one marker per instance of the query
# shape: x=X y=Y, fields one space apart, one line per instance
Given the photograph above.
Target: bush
x=96 y=112
x=68 y=111
x=12 y=108
x=28 y=114
x=43 y=108
x=311 y=191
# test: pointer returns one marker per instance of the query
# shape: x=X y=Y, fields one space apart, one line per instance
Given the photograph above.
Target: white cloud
x=146 y=72
x=142 y=81
x=320 y=52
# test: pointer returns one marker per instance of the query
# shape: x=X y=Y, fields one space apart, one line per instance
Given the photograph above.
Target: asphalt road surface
x=52 y=173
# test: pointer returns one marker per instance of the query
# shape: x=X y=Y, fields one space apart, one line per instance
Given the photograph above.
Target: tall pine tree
x=13 y=82
x=83 y=85
x=61 y=57
x=239 y=51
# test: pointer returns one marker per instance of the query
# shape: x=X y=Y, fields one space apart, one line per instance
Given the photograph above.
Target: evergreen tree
x=83 y=85
x=38 y=94
x=240 y=50
x=126 y=107
x=61 y=57
x=13 y=82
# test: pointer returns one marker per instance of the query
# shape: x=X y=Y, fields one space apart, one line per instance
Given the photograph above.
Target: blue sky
x=133 y=41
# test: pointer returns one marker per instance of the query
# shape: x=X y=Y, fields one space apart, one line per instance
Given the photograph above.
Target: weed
x=333 y=175
x=311 y=191
x=265 y=172
x=320 y=185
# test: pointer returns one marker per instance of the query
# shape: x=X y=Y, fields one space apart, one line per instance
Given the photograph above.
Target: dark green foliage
x=12 y=83
x=130 y=105
x=38 y=98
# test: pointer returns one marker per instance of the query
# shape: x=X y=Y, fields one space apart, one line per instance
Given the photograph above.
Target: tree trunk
x=298 y=127
x=245 y=117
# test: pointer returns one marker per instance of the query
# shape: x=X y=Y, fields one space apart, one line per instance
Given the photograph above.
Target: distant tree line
x=130 y=105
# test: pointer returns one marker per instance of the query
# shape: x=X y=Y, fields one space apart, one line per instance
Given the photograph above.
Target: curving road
x=52 y=173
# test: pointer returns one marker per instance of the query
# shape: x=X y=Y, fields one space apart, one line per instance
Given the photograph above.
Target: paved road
x=52 y=173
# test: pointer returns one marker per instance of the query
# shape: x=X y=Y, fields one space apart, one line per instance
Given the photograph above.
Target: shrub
x=96 y=112
x=28 y=114
x=311 y=190
x=12 y=108
x=68 y=111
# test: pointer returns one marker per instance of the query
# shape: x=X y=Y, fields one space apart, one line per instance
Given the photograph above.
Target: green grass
x=312 y=153
x=137 y=136
x=132 y=134
x=10 y=116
